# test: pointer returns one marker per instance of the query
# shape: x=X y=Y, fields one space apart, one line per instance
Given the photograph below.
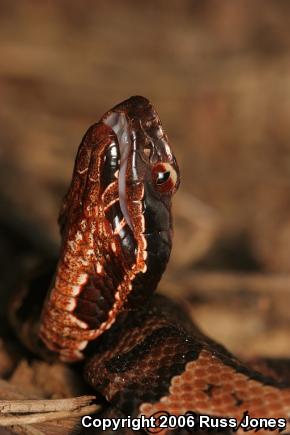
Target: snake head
x=148 y=176
x=116 y=226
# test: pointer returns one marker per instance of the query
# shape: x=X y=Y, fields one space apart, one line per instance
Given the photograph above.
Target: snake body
x=141 y=352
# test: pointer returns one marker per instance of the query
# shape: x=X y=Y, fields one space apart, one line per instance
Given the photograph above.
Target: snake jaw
x=118 y=123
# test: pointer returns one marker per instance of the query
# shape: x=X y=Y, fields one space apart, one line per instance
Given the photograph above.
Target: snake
x=97 y=304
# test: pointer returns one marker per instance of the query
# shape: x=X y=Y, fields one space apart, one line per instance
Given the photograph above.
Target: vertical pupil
x=162 y=177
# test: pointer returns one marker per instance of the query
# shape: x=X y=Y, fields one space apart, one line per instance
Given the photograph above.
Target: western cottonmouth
x=141 y=352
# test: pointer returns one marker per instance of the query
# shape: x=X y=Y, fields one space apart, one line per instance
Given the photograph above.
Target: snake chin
x=118 y=123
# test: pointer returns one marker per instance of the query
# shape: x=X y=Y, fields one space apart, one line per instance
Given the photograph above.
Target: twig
x=30 y=405
x=11 y=420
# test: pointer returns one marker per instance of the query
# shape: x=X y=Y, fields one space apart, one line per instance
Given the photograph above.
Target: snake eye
x=164 y=177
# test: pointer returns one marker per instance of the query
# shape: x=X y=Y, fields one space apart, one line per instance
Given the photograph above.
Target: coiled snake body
x=142 y=353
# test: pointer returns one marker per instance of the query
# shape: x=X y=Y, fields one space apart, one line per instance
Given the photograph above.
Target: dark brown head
x=148 y=177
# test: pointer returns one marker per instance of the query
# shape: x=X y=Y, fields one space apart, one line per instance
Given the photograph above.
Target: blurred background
x=218 y=74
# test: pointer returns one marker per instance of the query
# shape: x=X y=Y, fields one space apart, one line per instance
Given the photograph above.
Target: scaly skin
x=116 y=231
x=107 y=260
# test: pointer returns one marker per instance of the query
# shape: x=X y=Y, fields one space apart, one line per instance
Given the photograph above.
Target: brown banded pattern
x=157 y=361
